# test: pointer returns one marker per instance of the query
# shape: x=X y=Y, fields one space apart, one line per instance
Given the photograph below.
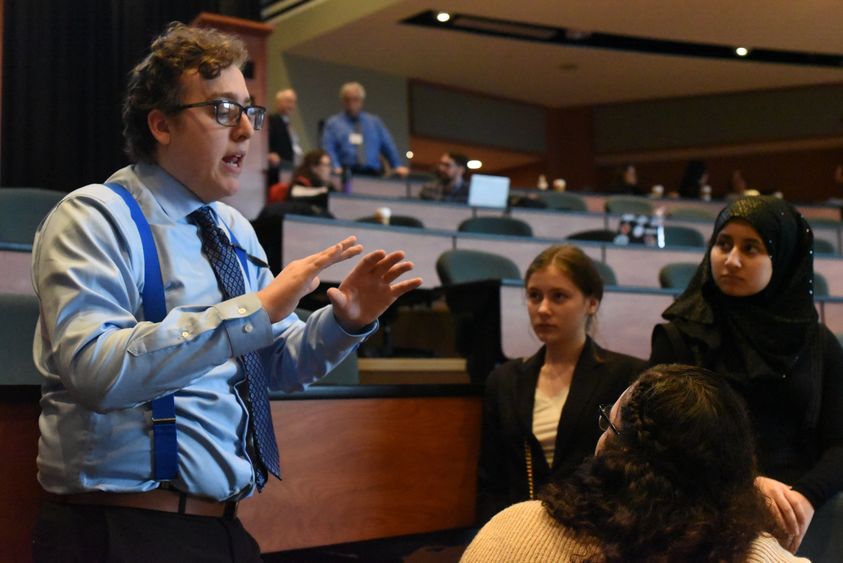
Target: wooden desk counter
x=358 y=463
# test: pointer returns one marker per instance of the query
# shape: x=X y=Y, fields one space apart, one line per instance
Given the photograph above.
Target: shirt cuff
x=246 y=323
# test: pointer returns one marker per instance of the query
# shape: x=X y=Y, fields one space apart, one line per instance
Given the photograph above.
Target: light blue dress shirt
x=102 y=363
x=336 y=141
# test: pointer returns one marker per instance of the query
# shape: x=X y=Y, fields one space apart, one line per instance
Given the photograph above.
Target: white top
x=546 y=413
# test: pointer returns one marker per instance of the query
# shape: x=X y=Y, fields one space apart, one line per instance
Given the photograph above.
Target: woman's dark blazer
x=599 y=378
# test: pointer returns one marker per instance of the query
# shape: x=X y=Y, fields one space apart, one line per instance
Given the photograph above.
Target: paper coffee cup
x=383 y=214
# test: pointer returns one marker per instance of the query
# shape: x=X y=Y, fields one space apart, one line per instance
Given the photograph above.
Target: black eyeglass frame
x=604 y=420
x=255 y=114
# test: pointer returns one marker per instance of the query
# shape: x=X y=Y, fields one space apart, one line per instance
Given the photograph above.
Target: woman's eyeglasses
x=604 y=420
x=228 y=113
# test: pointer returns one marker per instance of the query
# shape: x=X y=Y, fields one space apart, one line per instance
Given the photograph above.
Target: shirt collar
x=175 y=199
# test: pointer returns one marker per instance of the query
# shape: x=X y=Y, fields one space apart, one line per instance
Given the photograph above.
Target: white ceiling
x=537 y=73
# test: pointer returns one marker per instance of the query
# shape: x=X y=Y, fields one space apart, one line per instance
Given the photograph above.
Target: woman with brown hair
x=311 y=182
x=538 y=411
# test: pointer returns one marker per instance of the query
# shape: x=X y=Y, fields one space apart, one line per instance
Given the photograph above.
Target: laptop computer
x=488 y=191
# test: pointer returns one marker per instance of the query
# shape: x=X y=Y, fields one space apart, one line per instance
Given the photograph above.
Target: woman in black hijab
x=748 y=314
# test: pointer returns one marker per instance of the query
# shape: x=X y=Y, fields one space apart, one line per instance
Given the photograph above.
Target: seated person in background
x=625 y=181
x=538 y=412
x=694 y=179
x=450 y=184
x=748 y=315
x=310 y=184
x=671 y=480
x=355 y=139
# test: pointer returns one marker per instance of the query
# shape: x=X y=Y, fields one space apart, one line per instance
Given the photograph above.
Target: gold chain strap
x=528 y=456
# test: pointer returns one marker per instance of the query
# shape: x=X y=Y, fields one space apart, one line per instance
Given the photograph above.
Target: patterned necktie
x=220 y=253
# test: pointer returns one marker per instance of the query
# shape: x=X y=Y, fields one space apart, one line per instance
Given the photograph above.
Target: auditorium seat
x=496 y=226
x=395 y=220
x=19 y=313
x=596 y=235
x=463 y=266
x=677 y=275
x=820 y=285
x=677 y=235
x=822 y=246
x=628 y=204
x=564 y=201
x=21 y=211
x=607 y=274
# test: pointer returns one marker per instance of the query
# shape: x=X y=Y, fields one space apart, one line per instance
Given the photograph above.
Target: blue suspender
x=164 y=439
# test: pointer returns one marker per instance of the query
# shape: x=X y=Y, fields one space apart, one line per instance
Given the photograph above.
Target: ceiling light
x=442 y=17
x=742 y=51
x=474 y=164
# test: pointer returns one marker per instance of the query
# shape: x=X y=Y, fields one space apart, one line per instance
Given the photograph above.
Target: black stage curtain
x=65 y=65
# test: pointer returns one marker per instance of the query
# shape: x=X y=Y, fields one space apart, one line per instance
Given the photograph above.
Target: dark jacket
x=599 y=378
x=280 y=140
x=808 y=459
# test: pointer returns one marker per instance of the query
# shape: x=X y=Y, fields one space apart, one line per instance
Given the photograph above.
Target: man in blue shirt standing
x=355 y=139
x=225 y=332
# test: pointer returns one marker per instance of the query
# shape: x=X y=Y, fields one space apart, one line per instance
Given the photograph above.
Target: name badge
x=355 y=138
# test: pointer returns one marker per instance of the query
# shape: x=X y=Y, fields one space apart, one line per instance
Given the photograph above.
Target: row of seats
x=674 y=235
x=463 y=266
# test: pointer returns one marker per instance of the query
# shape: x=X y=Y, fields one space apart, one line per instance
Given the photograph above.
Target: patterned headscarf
x=763 y=335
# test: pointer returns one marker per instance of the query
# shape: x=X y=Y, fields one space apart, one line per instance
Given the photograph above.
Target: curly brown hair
x=155 y=82
x=677 y=484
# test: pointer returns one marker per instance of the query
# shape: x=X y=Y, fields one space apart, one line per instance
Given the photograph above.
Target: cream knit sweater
x=526 y=533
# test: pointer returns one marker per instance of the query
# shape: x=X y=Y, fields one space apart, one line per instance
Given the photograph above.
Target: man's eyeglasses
x=228 y=112
x=604 y=420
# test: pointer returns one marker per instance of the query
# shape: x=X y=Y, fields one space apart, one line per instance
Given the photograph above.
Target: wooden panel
x=15 y=270
x=354 y=469
x=424 y=371
x=19 y=487
x=359 y=469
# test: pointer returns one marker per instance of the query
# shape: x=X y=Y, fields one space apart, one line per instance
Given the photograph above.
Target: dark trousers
x=74 y=533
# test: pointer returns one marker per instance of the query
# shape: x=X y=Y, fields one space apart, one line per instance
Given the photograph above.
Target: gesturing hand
x=792 y=510
x=300 y=277
x=368 y=289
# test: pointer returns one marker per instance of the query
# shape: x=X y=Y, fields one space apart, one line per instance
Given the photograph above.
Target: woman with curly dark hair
x=672 y=479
